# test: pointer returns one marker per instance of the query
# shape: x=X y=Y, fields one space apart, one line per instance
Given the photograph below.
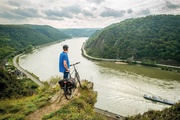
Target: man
x=64 y=63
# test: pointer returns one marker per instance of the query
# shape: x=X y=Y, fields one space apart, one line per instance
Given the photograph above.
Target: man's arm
x=65 y=65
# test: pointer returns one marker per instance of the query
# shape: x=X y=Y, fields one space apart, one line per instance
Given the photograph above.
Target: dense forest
x=11 y=87
x=155 y=38
x=15 y=38
x=79 y=32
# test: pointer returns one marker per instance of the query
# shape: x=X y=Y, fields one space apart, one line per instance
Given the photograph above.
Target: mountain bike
x=69 y=85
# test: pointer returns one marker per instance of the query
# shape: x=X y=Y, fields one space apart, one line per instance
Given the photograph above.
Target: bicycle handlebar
x=74 y=64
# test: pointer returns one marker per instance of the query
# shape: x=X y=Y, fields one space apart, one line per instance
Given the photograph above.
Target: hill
x=49 y=31
x=155 y=38
x=14 y=38
x=79 y=32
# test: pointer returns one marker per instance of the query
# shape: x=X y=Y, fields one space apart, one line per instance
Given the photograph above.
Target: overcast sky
x=81 y=13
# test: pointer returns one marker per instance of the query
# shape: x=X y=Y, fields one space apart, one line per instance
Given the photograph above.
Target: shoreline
x=116 y=61
x=27 y=73
x=16 y=58
x=16 y=64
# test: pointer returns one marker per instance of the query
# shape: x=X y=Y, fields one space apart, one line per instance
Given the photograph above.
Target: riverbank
x=27 y=73
x=98 y=59
x=163 y=67
x=15 y=63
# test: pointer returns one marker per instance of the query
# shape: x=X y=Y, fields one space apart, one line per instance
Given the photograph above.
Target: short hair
x=65 y=47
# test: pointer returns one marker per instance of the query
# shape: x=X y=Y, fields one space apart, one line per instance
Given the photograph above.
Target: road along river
x=118 y=92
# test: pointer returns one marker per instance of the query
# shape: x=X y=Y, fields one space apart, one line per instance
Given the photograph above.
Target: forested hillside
x=155 y=38
x=11 y=87
x=17 y=37
x=79 y=32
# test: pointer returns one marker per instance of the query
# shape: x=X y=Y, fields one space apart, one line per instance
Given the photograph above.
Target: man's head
x=65 y=47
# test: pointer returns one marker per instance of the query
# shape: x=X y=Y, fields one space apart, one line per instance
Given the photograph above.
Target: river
x=118 y=92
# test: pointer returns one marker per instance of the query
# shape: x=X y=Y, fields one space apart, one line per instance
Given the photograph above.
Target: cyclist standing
x=64 y=63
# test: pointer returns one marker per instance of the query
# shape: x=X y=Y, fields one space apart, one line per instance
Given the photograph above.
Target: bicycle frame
x=76 y=73
x=74 y=69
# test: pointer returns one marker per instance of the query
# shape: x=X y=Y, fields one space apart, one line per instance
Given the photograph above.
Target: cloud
x=57 y=14
x=87 y=13
x=96 y=1
x=171 y=6
x=112 y=13
x=14 y=3
x=94 y=8
x=67 y=12
x=73 y=9
x=26 y=12
x=145 y=11
x=129 y=11
x=19 y=3
x=12 y=9
x=53 y=18
x=10 y=16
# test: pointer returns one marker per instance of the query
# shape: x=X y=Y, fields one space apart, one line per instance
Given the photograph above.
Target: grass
x=172 y=113
x=80 y=108
x=18 y=109
x=77 y=109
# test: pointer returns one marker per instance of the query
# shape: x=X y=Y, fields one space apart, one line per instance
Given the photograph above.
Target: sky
x=81 y=13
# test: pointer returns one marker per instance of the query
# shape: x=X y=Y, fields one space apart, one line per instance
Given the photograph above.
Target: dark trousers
x=66 y=74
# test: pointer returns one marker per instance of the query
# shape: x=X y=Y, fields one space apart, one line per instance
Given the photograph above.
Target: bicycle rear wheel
x=68 y=93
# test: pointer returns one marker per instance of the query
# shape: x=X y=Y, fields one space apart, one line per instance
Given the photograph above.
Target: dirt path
x=56 y=102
